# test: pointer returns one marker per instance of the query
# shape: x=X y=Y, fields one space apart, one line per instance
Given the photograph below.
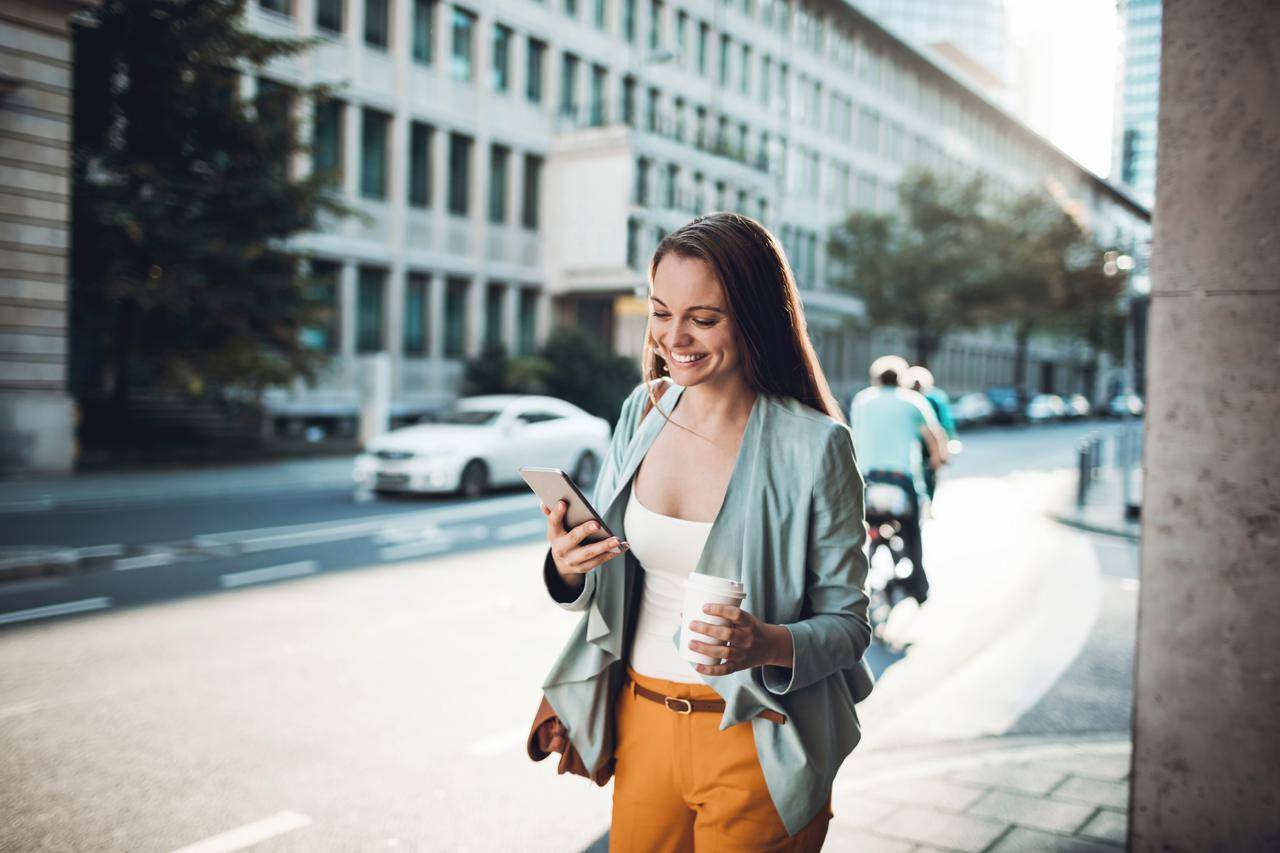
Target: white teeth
x=688 y=359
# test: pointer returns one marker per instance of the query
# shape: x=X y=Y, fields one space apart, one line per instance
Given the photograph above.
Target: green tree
x=586 y=374
x=924 y=271
x=184 y=202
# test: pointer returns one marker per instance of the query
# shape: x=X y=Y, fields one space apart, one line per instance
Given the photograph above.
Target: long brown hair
x=763 y=304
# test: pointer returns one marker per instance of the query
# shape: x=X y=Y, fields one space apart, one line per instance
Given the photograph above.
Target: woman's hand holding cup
x=574 y=559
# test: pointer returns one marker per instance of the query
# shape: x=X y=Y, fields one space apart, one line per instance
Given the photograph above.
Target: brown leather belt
x=688 y=706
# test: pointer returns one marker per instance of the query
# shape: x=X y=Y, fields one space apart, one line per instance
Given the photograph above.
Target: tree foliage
x=184 y=201
x=923 y=270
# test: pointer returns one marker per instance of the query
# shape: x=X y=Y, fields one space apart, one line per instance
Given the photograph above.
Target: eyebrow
x=692 y=307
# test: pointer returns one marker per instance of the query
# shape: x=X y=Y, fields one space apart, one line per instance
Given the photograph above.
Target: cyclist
x=920 y=379
x=888 y=424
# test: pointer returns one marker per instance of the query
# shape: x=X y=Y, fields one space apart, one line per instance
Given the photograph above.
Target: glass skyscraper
x=1134 y=163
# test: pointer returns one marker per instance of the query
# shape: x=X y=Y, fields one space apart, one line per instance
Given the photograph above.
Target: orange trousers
x=682 y=785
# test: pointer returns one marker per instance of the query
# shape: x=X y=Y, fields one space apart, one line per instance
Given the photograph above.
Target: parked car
x=1123 y=405
x=482 y=442
x=1046 y=407
x=970 y=409
x=1078 y=406
x=1006 y=405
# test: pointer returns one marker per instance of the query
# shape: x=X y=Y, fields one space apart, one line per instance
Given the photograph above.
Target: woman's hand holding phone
x=573 y=559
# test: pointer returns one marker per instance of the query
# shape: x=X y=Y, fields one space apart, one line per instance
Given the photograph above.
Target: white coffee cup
x=700 y=590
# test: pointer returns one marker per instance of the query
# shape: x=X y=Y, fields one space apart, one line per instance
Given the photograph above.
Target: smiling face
x=690 y=325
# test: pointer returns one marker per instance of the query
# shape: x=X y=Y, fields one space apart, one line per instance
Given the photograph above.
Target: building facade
x=517 y=162
x=1134 y=151
x=36 y=412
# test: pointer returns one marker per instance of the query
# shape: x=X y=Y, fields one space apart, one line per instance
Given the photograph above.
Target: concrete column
x=435 y=318
x=1206 y=730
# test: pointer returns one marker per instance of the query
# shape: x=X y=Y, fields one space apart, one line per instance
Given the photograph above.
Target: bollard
x=1082 y=474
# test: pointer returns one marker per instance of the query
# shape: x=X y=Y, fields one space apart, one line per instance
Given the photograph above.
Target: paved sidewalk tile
x=1025 y=778
x=1022 y=840
x=844 y=838
x=930 y=792
x=1108 y=825
x=862 y=810
x=1112 y=767
x=927 y=826
x=1038 y=812
x=1095 y=791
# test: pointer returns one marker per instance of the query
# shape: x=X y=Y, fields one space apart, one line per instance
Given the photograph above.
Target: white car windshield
x=463 y=417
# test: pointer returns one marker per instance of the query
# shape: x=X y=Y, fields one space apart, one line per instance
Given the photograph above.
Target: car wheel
x=586 y=470
x=475 y=479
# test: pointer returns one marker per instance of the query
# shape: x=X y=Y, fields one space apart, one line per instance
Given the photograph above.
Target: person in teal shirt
x=890 y=425
x=920 y=379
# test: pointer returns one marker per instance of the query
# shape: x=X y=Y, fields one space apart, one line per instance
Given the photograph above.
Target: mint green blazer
x=791 y=529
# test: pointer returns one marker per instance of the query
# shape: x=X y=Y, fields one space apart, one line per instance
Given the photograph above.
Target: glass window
x=424 y=31
x=599 y=78
x=322 y=295
x=533 y=71
x=642 y=182
x=669 y=186
x=633 y=243
x=498 y=158
x=326 y=139
x=501 y=58
x=455 y=317
x=655 y=24
x=682 y=35
x=274 y=105
x=532 y=190
x=369 y=313
x=700 y=127
x=464 y=25
x=568 y=84
x=493 y=299
x=373 y=154
x=528 y=320
x=629 y=20
x=600 y=14
x=571 y=8
x=416 y=287
x=377 y=23
x=724 y=60
x=651 y=111
x=704 y=35
x=420 y=143
x=629 y=100
x=459 y=174
x=281 y=6
x=329 y=15
x=678 y=109
x=744 y=73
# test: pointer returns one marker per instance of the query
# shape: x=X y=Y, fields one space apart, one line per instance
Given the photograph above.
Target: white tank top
x=668 y=549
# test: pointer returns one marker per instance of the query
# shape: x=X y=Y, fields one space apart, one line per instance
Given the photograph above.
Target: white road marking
x=271 y=573
x=269 y=538
x=99 y=551
x=520 y=529
x=249 y=834
x=144 y=561
x=415 y=549
x=81 y=606
x=510 y=740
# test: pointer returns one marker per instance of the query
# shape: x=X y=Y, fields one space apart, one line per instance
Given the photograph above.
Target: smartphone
x=552 y=485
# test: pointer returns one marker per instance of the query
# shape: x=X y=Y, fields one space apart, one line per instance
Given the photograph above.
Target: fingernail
x=594 y=526
x=626 y=546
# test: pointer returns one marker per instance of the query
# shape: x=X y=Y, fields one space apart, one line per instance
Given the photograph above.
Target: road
x=365 y=678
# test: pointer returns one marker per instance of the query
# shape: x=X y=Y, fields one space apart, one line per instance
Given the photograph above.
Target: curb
x=1132 y=532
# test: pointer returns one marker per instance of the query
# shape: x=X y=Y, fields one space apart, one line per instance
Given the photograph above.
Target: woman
x=744 y=471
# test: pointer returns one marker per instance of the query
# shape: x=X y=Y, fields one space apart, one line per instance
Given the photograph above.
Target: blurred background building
x=1138 y=90
x=517 y=163
x=36 y=412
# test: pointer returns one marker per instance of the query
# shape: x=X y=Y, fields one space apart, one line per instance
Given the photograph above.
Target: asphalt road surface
x=306 y=673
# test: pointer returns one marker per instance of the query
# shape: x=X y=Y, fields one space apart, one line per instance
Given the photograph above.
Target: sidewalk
x=989 y=795
x=1104 y=510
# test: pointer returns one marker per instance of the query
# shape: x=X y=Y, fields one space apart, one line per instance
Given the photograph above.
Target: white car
x=1046 y=407
x=972 y=408
x=482 y=442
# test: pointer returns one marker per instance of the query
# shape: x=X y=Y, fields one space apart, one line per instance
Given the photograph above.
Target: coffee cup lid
x=712 y=582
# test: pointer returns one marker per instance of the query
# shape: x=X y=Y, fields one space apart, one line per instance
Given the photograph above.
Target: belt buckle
x=688 y=706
